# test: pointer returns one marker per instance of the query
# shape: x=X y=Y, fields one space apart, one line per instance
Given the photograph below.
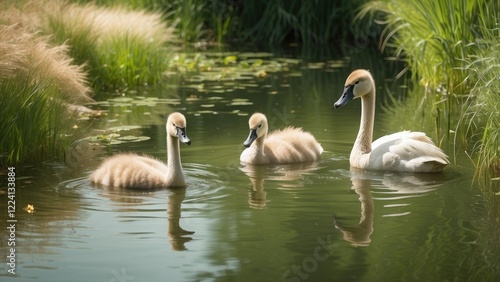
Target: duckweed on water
x=228 y=67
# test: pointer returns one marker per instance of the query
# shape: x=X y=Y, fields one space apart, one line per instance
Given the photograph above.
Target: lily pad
x=255 y=55
x=121 y=100
x=131 y=138
x=240 y=103
x=123 y=128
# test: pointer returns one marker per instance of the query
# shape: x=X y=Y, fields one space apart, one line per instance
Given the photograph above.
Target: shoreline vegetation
x=54 y=53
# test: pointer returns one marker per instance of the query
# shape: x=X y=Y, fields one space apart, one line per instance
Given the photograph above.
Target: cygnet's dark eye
x=357 y=81
x=260 y=125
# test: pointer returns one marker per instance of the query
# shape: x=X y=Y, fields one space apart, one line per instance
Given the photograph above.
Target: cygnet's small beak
x=181 y=134
x=251 y=137
x=347 y=96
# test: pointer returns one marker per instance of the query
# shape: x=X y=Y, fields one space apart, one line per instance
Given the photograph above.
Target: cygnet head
x=176 y=127
x=359 y=83
x=258 y=128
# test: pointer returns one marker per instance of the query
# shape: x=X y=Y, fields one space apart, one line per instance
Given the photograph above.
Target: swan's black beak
x=181 y=134
x=251 y=137
x=347 y=96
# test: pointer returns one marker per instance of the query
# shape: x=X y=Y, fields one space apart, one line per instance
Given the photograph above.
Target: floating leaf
x=131 y=138
x=215 y=98
x=289 y=61
x=121 y=100
x=255 y=55
x=229 y=60
x=241 y=103
x=336 y=64
x=319 y=65
x=206 y=112
x=123 y=128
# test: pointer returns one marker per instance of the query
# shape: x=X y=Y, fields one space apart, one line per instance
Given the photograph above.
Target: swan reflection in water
x=177 y=236
x=126 y=199
x=288 y=174
x=395 y=185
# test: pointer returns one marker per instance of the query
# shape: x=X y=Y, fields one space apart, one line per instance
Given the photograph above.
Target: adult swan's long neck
x=174 y=165
x=363 y=144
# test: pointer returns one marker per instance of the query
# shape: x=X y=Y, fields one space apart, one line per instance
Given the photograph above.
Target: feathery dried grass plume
x=28 y=55
x=116 y=22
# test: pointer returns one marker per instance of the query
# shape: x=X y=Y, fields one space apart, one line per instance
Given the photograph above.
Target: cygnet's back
x=290 y=145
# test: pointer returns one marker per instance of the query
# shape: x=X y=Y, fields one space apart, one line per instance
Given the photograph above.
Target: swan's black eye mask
x=347 y=96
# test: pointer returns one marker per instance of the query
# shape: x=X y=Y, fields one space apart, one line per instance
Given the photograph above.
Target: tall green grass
x=482 y=114
x=122 y=48
x=434 y=37
x=34 y=119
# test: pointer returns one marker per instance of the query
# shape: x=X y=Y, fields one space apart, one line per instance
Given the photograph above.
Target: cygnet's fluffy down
x=144 y=172
x=290 y=145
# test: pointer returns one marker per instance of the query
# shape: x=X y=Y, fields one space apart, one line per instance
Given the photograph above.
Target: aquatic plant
x=37 y=84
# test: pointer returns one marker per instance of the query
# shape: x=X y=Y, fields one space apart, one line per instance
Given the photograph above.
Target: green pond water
x=235 y=222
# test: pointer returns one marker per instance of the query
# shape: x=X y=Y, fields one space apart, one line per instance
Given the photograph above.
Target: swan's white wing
x=400 y=136
x=407 y=151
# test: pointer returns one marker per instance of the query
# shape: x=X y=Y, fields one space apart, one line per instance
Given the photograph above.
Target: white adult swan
x=403 y=151
x=142 y=172
x=290 y=145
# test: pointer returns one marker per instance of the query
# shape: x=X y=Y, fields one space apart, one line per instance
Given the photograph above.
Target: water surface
x=234 y=222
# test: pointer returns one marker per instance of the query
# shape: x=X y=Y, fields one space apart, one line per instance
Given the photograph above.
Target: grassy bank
x=37 y=83
x=122 y=48
x=450 y=48
x=52 y=52
x=119 y=47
